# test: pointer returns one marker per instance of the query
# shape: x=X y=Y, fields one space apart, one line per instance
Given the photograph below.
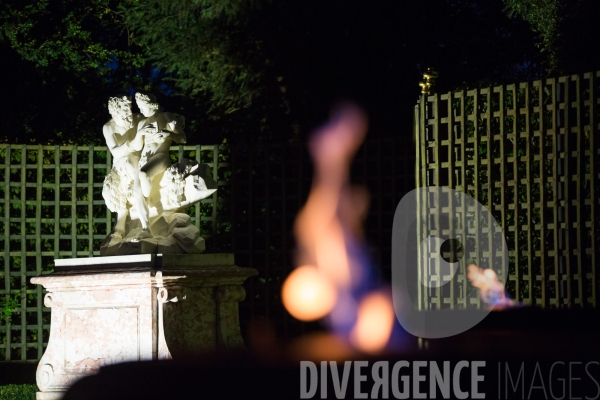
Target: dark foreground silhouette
x=524 y=338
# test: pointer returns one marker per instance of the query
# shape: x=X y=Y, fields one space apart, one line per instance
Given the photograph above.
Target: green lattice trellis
x=529 y=152
x=51 y=206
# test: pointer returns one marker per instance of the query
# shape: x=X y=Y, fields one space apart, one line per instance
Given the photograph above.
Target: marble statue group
x=137 y=306
x=148 y=193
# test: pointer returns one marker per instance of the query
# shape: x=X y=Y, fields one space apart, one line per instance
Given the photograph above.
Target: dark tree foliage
x=568 y=32
x=246 y=70
x=375 y=53
x=58 y=68
x=205 y=46
x=284 y=63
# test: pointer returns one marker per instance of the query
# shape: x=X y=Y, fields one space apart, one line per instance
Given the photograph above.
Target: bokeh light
x=307 y=294
x=374 y=324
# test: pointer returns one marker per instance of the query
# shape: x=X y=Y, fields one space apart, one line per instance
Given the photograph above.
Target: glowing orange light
x=331 y=255
x=491 y=290
x=307 y=294
x=374 y=325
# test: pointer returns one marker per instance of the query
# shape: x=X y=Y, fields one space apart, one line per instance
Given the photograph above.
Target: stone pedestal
x=107 y=310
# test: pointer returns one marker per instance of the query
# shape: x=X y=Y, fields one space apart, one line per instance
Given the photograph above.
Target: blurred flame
x=320 y=232
x=491 y=290
x=374 y=325
x=307 y=294
x=329 y=234
x=331 y=254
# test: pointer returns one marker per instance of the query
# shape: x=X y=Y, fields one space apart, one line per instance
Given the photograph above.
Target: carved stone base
x=172 y=233
x=107 y=310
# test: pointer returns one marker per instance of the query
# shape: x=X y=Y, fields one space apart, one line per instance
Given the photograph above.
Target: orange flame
x=307 y=294
x=374 y=325
x=491 y=290
x=329 y=234
x=319 y=228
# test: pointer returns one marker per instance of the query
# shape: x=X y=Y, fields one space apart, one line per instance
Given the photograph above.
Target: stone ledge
x=157 y=262
x=140 y=277
x=151 y=270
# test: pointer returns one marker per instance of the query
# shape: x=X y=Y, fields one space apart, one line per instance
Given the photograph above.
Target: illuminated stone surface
x=144 y=188
x=107 y=310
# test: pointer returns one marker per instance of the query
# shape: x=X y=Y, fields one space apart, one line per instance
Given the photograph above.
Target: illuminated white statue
x=125 y=146
x=148 y=193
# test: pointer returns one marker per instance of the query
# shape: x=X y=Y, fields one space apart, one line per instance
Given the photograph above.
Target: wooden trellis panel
x=528 y=152
x=51 y=206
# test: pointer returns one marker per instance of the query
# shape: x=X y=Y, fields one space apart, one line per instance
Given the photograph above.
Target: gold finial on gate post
x=428 y=81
